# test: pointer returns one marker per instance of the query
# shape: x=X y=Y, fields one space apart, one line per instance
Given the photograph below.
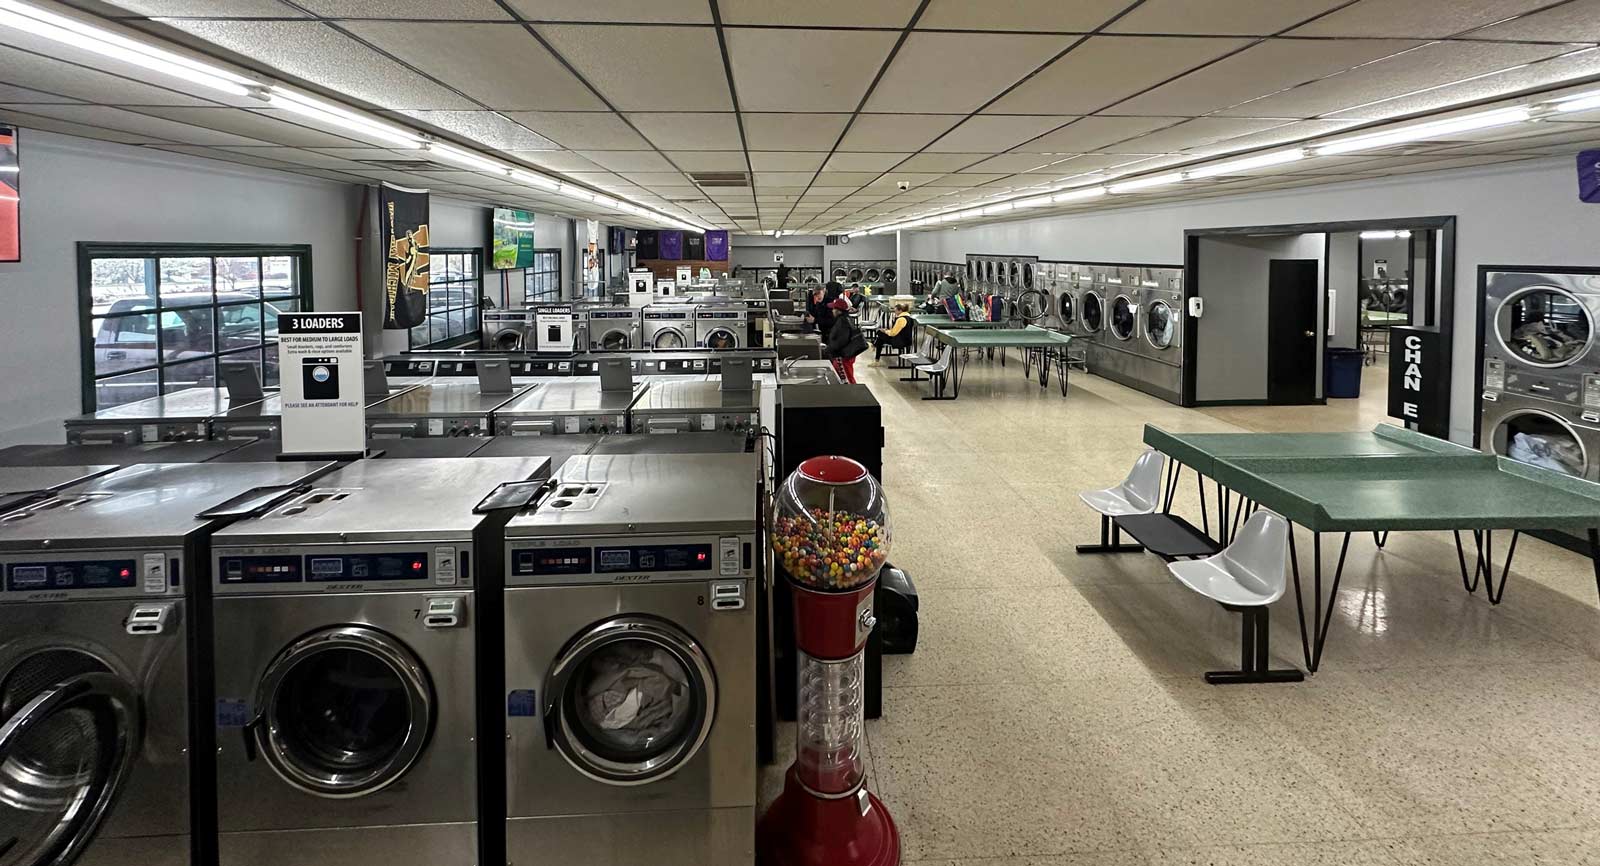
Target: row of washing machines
x=565 y=328
x=929 y=274
x=407 y=662
x=1002 y=275
x=1129 y=321
x=880 y=276
x=416 y=398
x=1541 y=368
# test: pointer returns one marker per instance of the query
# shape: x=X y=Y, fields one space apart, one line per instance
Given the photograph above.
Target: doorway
x=1292 y=342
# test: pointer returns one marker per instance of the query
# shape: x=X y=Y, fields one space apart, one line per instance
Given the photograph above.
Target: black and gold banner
x=404 y=215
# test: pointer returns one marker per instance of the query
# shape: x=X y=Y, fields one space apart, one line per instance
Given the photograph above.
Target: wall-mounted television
x=10 y=197
x=513 y=239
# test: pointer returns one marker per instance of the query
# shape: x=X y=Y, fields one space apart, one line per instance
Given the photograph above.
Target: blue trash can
x=1342 y=373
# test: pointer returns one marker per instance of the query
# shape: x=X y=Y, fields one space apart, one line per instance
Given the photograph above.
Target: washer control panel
x=643 y=560
x=333 y=568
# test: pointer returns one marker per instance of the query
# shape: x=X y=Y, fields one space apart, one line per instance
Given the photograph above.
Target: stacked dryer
x=1541 y=369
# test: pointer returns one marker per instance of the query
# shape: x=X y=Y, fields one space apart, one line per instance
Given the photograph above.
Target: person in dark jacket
x=844 y=341
x=818 y=309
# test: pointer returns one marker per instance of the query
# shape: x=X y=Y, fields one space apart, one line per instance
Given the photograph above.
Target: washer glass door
x=617 y=340
x=1542 y=439
x=721 y=338
x=630 y=700
x=1544 y=326
x=1093 y=312
x=1068 y=309
x=1123 y=322
x=69 y=733
x=1160 y=326
x=345 y=712
x=669 y=339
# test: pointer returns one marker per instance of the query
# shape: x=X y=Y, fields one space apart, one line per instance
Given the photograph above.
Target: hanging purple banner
x=717 y=246
x=671 y=246
x=1589 y=176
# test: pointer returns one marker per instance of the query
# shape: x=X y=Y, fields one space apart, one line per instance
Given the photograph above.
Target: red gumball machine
x=831 y=534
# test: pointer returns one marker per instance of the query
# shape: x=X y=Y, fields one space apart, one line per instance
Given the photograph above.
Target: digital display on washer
x=83 y=574
x=553 y=560
x=655 y=557
x=367 y=566
x=262 y=569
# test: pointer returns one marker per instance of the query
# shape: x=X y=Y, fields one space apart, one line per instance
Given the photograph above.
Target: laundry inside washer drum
x=633 y=699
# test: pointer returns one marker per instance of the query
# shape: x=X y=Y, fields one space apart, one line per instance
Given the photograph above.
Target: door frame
x=1445 y=325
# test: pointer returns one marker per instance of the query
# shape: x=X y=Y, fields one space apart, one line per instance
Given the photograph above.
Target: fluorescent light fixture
x=1581 y=102
x=466 y=159
x=1385 y=236
x=1421 y=131
x=581 y=194
x=70 y=31
x=1036 y=201
x=606 y=202
x=538 y=180
x=342 y=118
x=1145 y=183
x=1249 y=163
x=999 y=208
x=1079 y=194
x=9 y=169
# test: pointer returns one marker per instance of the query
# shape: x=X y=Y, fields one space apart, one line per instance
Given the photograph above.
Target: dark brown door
x=1292 y=341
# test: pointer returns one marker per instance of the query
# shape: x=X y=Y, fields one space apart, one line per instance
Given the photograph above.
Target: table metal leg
x=1205 y=516
x=1064 y=372
x=1320 y=621
x=1483 y=563
x=1380 y=538
x=1174 y=469
x=1594 y=556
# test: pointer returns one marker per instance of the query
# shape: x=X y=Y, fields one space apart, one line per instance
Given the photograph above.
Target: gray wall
x=758 y=255
x=1344 y=281
x=82 y=190
x=1231 y=349
x=1524 y=213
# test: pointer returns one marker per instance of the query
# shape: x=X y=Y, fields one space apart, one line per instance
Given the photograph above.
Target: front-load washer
x=630 y=663
x=668 y=327
x=1543 y=332
x=182 y=416
x=721 y=327
x=565 y=407
x=1122 y=311
x=1544 y=433
x=507 y=330
x=443 y=407
x=347 y=652
x=686 y=405
x=101 y=758
x=615 y=329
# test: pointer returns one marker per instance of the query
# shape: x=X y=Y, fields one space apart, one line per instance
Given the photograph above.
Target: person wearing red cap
x=844 y=341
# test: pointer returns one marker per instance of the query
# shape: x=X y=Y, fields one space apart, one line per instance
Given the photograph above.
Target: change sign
x=1414 y=386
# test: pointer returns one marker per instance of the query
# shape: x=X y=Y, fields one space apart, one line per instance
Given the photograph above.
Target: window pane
x=473 y=321
x=187 y=332
x=269 y=376
x=124 y=389
x=124 y=343
x=469 y=266
x=270 y=313
x=280 y=276
x=438 y=299
x=238 y=326
x=438 y=327
x=191 y=374
x=185 y=282
x=419 y=336
x=119 y=285
x=238 y=276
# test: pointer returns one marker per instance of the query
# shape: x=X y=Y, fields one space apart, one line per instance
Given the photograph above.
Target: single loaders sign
x=324 y=400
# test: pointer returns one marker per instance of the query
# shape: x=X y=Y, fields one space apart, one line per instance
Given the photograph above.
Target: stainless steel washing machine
x=99 y=688
x=1544 y=433
x=614 y=329
x=1069 y=298
x=567 y=406
x=181 y=416
x=347 y=713
x=455 y=407
x=22 y=484
x=668 y=327
x=507 y=330
x=695 y=406
x=1543 y=332
x=1160 y=314
x=721 y=327
x=630 y=663
x=264 y=420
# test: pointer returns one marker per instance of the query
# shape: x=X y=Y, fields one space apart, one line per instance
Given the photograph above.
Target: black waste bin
x=1342 y=373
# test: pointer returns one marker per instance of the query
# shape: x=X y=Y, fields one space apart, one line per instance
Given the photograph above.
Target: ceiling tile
x=1578 y=21
x=1257 y=71
x=993 y=133
x=1287 y=132
x=1089 y=134
x=689 y=130
x=646 y=68
x=1415 y=19
x=22 y=118
x=1219 y=17
x=1106 y=69
x=466 y=10
x=1015 y=162
x=805 y=70
x=873 y=162
x=629 y=160
x=1025 y=15
x=13 y=94
x=268 y=125
x=298 y=156
x=1544 y=73
x=965 y=180
x=316 y=52
x=1087 y=164
x=819 y=13
x=577 y=130
x=896 y=132
x=793 y=131
x=783 y=178
x=941 y=163
x=139 y=124
x=766 y=160
x=623 y=11
x=230 y=156
x=708 y=160
x=1429 y=66
x=41 y=73
x=554 y=160
x=1193 y=134
x=485 y=127
x=492 y=63
x=969 y=68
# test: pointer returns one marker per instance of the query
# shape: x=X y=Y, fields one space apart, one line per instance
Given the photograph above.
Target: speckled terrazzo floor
x=1054 y=713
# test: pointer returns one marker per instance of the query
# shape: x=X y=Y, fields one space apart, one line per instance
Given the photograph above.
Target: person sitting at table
x=898 y=335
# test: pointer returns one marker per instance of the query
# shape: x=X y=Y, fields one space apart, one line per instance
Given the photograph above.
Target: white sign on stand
x=685 y=275
x=666 y=288
x=777 y=258
x=324 y=398
x=642 y=288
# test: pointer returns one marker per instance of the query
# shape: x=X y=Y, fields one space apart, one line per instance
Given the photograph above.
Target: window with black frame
x=159 y=319
x=542 y=282
x=455 y=289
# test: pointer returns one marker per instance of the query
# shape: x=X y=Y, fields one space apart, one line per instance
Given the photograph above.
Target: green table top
x=1360 y=494
x=943 y=320
x=1201 y=451
x=1009 y=338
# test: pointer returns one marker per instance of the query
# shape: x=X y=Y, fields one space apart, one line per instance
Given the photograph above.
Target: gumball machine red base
x=831 y=535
